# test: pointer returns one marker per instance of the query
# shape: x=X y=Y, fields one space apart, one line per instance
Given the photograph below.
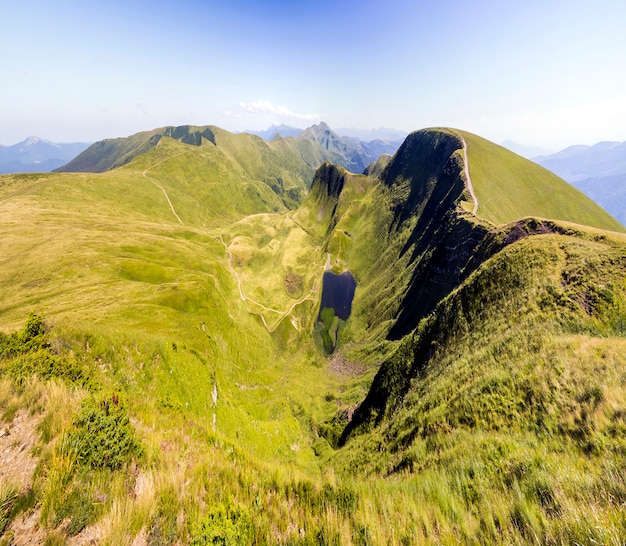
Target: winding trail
x=246 y=299
x=468 y=178
x=261 y=309
x=161 y=187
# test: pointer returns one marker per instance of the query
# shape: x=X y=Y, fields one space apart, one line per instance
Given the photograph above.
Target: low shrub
x=225 y=524
x=101 y=435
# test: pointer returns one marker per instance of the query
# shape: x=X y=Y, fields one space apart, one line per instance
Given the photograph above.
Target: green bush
x=32 y=337
x=101 y=435
x=225 y=524
x=29 y=353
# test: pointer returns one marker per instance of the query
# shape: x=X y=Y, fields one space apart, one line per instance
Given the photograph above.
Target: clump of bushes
x=228 y=524
x=30 y=352
x=101 y=436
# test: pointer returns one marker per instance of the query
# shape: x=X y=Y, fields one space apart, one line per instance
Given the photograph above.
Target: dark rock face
x=329 y=181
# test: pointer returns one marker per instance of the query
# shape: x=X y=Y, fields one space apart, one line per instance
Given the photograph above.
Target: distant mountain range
x=37 y=155
x=599 y=171
x=315 y=145
x=277 y=130
x=365 y=135
x=350 y=153
x=529 y=152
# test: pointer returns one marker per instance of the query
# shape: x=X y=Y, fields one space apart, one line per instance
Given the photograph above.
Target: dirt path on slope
x=246 y=299
x=161 y=187
x=468 y=178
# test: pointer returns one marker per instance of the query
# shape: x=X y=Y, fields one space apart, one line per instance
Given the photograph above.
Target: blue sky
x=538 y=72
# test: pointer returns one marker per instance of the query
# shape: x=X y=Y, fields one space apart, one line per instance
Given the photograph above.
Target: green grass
x=509 y=187
x=508 y=399
x=498 y=420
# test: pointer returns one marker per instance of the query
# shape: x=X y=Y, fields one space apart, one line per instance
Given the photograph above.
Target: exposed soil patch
x=341 y=366
x=293 y=284
x=17 y=464
x=25 y=529
x=530 y=226
x=17 y=440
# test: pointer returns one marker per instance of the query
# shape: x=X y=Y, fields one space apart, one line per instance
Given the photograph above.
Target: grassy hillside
x=502 y=411
x=277 y=166
x=509 y=187
x=162 y=381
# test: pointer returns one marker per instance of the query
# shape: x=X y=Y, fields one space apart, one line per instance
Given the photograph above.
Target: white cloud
x=265 y=106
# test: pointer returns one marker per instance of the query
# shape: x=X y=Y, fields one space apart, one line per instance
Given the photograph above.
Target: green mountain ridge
x=314 y=146
x=475 y=394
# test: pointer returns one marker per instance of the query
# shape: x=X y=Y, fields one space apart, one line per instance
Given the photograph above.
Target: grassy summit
x=172 y=387
x=509 y=187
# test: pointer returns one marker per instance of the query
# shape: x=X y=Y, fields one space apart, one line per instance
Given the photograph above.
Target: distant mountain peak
x=271 y=132
x=35 y=154
x=35 y=139
x=322 y=126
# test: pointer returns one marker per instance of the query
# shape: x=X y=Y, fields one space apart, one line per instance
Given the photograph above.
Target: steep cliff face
x=427 y=182
x=454 y=270
x=328 y=183
x=323 y=199
x=403 y=234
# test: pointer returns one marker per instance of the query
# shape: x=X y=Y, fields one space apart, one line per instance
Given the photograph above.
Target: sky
x=541 y=73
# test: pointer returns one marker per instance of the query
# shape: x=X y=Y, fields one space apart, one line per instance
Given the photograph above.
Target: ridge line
x=468 y=178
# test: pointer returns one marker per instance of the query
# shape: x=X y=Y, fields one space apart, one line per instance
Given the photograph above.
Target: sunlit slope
x=481 y=367
x=509 y=187
x=138 y=257
x=278 y=166
x=511 y=394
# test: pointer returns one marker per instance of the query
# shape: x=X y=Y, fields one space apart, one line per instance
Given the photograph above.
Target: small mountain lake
x=338 y=293
x=335 y=307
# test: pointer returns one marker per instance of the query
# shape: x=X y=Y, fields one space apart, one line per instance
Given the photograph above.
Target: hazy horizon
x=539 y=75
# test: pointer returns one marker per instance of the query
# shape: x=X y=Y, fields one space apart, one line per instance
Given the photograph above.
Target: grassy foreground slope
x=502 y=412
x=135 y=253
x=146 y=308
x=173 y=392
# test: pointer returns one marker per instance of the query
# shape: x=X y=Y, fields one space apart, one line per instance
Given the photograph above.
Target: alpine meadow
x=169 y=374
